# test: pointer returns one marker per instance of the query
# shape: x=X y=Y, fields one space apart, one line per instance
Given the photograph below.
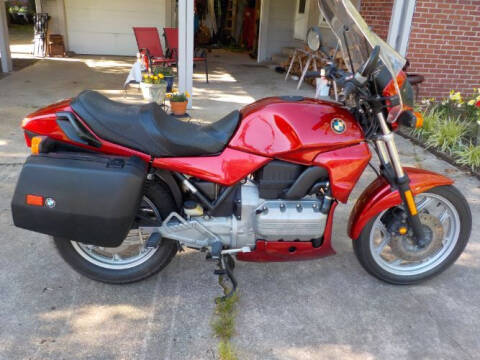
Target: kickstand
x=226 y=264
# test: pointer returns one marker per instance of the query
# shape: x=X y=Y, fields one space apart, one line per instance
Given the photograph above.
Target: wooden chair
x=171 y=37
x=55 y=45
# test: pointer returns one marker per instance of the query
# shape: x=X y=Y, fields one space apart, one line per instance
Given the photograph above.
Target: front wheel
x=396 y=259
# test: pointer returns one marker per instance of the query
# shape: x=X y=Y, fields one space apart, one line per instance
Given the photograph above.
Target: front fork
x=393 y=171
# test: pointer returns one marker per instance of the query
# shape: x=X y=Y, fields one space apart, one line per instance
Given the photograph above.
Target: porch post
x=401 y=24
x=62 y=22
x=38 y=6
x=185 y=47
x=263 y=31
x=4 y=41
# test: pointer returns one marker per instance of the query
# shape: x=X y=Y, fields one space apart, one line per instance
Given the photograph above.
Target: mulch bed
x=438 y=153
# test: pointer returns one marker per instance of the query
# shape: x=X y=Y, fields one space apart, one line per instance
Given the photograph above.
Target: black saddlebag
x=87 y=198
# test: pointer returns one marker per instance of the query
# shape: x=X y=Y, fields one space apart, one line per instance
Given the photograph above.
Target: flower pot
x=153 y=92
x=169 y=80
x=178 y=108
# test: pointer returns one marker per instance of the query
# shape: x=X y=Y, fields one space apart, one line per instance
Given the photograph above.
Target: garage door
x=104 y=27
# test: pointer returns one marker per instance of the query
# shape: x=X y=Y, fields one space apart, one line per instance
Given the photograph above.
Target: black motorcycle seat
x=149 y=129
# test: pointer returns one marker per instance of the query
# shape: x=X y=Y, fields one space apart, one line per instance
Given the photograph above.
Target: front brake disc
x=404 y=247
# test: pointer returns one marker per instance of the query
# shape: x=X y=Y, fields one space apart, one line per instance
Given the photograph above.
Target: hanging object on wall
x=40 y=29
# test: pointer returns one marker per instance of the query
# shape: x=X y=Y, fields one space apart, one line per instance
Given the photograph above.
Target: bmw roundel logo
x=50 y=203
x=338 y=126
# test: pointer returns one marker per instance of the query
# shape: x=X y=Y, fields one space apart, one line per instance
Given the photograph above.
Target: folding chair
x=171 y=37
x=148 y=41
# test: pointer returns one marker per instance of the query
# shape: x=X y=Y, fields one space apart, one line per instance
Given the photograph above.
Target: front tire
x=395 y=260
x=107 y=265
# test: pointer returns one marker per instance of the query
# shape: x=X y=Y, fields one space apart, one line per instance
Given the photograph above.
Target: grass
x=223 y=326
x=226 y=352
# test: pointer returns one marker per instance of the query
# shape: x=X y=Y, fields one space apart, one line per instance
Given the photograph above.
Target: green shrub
x=447 y=135
x=469 y=156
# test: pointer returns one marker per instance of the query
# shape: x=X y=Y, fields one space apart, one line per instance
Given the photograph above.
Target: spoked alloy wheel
x=132 y=252
x=446 y=221
x=131 y=261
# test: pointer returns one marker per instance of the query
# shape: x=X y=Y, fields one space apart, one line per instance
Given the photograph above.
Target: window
x=301 y=6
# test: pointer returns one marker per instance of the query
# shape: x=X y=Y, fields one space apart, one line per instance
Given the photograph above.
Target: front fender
x=379 y=196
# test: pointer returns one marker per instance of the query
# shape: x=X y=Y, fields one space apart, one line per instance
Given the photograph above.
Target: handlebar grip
x=312 y=74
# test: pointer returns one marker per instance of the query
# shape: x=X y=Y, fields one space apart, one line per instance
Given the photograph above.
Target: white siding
x=105 y=27
x=281 y=21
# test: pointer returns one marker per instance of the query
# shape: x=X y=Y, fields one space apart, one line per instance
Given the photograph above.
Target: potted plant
x=168 y=76
x=153 y=88
x=178 y=103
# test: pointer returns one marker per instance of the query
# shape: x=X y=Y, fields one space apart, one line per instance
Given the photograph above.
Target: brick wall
x=444 y=42
x=445 y=46
x=377 y=14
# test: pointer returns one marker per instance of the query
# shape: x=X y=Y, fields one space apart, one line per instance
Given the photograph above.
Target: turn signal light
x=391 y=89
x=35 y=147
x=411 y=119
x=34 y=200
x=419 y=122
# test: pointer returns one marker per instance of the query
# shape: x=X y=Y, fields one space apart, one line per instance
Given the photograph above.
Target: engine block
x=259 y=219
x=289 y=220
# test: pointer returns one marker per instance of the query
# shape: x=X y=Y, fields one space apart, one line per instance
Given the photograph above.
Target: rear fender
x=167 y=178
x=379 y=196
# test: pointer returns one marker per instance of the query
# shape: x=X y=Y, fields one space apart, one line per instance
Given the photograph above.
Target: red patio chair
x=171 y=37
x=148 y=40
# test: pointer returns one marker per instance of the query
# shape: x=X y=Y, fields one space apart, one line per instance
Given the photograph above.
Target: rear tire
x=364 y=252
x=79 y=260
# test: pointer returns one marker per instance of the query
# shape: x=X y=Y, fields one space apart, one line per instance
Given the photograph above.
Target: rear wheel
x=447 y=222
x=131 y=261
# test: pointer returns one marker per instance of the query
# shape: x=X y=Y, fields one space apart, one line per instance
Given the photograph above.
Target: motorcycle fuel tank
x=295 y=128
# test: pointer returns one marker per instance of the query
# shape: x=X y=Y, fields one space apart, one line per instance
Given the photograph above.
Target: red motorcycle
x=122 y=188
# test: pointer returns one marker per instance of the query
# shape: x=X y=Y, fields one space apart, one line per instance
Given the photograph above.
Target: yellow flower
x=456 y=97
x=187 y=94
x=471 y=102
x=145 y=76
x=169 y=96
x=155 y=78
x=160 y=76
x=151 y=76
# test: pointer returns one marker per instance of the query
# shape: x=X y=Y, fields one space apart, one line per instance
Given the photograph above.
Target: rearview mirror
x=314 y=38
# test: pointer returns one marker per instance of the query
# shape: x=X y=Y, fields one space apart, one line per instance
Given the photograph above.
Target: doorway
x=301 y=19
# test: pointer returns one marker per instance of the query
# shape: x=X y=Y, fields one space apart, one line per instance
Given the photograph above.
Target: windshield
x=357 y=39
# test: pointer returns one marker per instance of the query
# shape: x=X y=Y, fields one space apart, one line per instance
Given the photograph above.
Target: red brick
x=444 y=43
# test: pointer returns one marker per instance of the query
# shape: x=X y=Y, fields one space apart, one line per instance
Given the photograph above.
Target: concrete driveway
x=326 y=309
